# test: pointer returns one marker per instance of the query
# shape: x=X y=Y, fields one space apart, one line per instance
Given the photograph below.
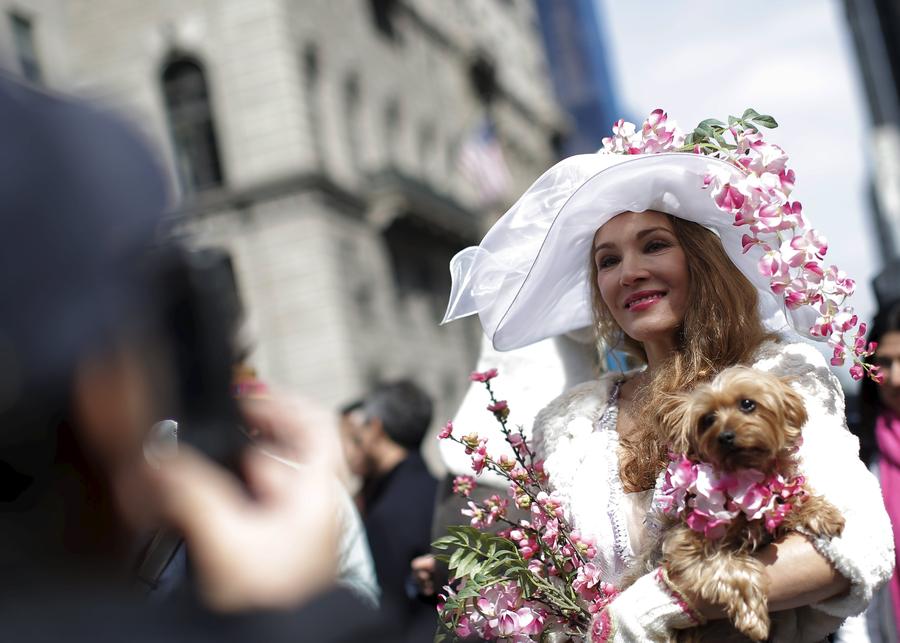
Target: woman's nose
x=632 y=270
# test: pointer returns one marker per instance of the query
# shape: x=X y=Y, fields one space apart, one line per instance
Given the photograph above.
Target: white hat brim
x=529 y=277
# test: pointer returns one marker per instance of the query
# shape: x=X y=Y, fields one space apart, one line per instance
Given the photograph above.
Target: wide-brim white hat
x=529 y=278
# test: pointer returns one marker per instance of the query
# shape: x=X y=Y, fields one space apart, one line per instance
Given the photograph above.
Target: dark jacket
x=398 y=513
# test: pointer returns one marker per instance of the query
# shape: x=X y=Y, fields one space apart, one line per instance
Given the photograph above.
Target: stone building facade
x=319 y=142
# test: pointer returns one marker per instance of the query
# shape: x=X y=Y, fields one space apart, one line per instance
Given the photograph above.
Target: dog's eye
x=707 y=421
x=748 y=406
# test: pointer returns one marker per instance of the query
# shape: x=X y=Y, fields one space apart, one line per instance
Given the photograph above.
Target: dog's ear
x=795 y=414
x=675 y=421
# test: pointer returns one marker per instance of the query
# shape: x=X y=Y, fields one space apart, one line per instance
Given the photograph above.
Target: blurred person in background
x=879 y=435
x=99 y=338
x=384 y=433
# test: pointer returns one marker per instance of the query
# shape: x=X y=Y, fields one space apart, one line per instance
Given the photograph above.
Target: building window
x=427 y=144
x=352 y=110
x=311 y=82
x=384 y=16
x=392 y=122
x=23 y=40
x=191 y=125
x=419 y=259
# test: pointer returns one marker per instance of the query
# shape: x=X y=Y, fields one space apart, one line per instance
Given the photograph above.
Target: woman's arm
x=799 y=575
x=864 y=552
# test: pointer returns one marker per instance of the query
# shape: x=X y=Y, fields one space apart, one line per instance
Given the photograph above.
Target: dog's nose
x=726 y=439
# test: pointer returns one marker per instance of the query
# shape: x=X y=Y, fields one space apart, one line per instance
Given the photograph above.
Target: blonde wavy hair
x=721 y=328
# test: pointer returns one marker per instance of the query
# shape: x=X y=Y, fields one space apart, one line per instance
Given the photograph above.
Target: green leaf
x=445 y=543
x=456 y=558
x=468 y=564
x=749 y=113
x=733 y=120
x=703 y=132
x=766 y=121
x=712 y=122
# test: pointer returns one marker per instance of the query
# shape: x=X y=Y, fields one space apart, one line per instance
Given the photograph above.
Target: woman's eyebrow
x=643 y=233
x=640 y=235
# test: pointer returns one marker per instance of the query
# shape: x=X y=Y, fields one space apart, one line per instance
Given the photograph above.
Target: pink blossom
x=500 y=409
x=748 y=493
x=770 y=264
x=496 y=508
x=483 y=376
x=470 y=440
x=838 y=358
x=657 y=137
x=477 y=515
x=518 y=444
x=463 y=627
x=463 y=485
x=540 y=473
x=479 y=457
x=793 y=214
x=518 y=474
x=587 y=581
x=711 y=528
x=550 y=533
x=729 y=199
x=857 y=372
x=787 y=179
x=585 y=546
x=845 y=320
x=822 y=327
x=748 y=242
x=506 y=463
x=446 y=431
x=526 y=542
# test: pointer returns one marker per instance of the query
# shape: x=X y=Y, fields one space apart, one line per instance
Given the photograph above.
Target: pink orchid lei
x=532 y=577
x=756 y=191
x=709 y=500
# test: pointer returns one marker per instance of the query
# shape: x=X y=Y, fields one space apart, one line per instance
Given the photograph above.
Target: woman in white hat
x=690 y=256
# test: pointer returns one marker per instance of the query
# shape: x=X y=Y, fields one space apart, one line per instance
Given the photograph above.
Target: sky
x=793 y=60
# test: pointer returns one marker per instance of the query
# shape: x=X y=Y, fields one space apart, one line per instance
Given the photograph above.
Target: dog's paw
x=820 y=518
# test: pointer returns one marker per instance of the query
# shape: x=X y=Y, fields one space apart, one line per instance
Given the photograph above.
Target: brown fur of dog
x=764 y=416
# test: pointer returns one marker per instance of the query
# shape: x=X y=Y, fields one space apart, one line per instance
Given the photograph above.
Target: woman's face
x=888 y=357
x=642 y=275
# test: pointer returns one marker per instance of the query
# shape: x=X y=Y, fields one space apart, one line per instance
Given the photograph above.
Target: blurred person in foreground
x=89 y=360
x=384 y=432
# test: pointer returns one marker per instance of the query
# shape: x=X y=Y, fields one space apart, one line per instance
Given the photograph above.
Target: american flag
x=481 y=162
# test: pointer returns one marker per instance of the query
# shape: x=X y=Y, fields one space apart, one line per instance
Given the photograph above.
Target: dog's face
x=742 y=419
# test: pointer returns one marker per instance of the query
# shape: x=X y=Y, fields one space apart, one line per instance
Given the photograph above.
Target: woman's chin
x=651 y=330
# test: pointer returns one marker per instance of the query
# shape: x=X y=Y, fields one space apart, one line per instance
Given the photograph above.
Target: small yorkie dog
x=732 y=487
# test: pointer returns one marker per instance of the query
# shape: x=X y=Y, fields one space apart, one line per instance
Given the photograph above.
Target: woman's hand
x=272 y=544
x=423 y=573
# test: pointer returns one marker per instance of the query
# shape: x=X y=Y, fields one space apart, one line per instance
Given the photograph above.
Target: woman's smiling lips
x=643 y=299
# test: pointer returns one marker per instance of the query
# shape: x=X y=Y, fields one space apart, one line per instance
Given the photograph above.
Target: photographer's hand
x=275 y=546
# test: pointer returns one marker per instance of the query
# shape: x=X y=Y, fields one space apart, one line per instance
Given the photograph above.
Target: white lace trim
x=609 y=422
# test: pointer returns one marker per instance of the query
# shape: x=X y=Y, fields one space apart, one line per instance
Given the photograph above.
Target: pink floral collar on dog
x=709 y=500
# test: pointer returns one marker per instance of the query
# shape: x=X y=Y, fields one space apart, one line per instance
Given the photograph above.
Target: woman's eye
x=655 y=246
x=607 y=261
